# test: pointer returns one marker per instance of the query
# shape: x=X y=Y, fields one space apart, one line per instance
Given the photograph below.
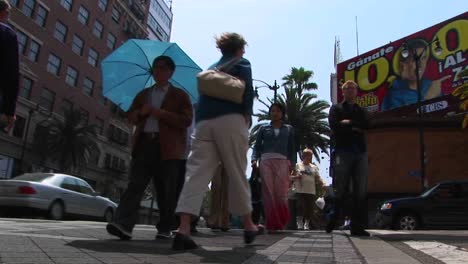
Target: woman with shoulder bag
x=220 y=136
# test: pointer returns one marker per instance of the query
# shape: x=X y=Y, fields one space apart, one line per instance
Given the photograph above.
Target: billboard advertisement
x=387 y=76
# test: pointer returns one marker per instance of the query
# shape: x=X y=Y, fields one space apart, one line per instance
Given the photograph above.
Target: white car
x=58 y=195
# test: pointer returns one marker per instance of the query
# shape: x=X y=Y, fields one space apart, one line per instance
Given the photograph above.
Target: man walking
x=162 y=115
x=9 y=69
x=348 y=121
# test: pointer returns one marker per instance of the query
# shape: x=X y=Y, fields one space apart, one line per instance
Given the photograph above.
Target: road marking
x=387 y=232
x=443 y=252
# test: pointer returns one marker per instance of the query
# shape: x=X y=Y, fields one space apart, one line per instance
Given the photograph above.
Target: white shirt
x=156 y=99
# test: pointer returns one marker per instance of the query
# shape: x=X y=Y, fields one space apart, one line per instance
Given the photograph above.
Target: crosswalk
x=441 y=251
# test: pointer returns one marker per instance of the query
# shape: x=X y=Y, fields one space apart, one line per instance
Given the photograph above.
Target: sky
x=301 y=33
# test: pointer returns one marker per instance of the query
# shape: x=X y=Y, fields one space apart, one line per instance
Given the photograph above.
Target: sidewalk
x=75 y=242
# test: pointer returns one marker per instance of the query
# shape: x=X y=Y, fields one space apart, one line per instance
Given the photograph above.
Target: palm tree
x=306 y=114
x=299 y=79
x=70 y=142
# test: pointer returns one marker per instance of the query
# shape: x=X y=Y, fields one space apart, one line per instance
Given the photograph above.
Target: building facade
x=61 y=45
x=159 y=22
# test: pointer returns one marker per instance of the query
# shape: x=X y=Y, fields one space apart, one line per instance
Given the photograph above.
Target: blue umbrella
x=127 y=70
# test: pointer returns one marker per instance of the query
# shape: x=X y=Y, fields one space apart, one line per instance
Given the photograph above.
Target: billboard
x=387 y=75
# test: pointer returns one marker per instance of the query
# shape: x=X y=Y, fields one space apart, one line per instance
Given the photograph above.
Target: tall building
x=61 y=45
x=159 y=21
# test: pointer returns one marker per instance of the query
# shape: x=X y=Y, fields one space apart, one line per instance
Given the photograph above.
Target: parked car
x=444 y=206
x=56 y=195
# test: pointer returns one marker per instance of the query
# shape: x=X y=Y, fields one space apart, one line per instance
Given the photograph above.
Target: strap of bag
x=228 y=65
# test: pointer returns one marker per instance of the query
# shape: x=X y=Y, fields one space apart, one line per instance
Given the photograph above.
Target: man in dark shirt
x=349 y=162
x=9 y=69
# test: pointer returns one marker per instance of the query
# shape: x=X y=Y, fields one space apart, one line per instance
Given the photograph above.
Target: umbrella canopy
x=127 y=70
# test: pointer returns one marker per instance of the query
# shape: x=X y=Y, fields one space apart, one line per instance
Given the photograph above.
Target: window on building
x=20 y=124
x=67 y=106
x=83 y=15
x=88 y=86
x=67 y=4
x=47 y=99
x=26 y=87
x=99 y=126
x=115 y=14
x=41 y=16
x=72 y=76
x=102 y=4
x=115 y=162
x=111 y=41
x=33 y=51
x=84 y=116
x=28 y=7
x=60 y=32
x=53 y=64
x=22 y=40
x=103 y=100
x=97 y=30
x=77 y=45
x=107 y=160
x=93 y=57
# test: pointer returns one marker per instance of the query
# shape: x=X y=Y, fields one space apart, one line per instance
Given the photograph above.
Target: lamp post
x=275 y=87
x=416 y=49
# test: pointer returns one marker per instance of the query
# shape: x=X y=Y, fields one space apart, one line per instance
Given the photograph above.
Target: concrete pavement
x=44 y=242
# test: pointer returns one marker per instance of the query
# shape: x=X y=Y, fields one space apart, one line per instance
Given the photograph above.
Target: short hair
x=167 y=60
x=348 y=82
x=280 y=106
x=229 y=43
x=307 y=151
x=4 y=5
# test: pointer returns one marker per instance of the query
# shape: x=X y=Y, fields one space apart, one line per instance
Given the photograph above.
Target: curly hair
x=229 y=43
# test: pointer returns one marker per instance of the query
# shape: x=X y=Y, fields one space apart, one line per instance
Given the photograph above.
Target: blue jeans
x=350 y=171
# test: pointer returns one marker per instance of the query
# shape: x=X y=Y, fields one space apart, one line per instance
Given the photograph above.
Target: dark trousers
x=147 y=165
x=351 y=168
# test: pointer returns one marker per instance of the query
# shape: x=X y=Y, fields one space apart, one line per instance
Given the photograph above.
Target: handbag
x=221 y=85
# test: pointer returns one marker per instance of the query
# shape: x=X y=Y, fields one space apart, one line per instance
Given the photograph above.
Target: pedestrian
x=221 y=135
x=350 y=166
x=305 y=188
x=9 y=69
x=162 y=115
x=274 y=147
x=219 y=211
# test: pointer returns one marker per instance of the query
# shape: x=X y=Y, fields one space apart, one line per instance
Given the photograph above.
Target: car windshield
x=426 y=193
x=34 y=177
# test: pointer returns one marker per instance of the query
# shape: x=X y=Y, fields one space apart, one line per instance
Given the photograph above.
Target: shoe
x=249 y=236
x=118 y=230
x=183 y=242
x=360 y=233
x=261 y=229
x=224 y=229
x=193 y=230
x=164 y=235
x=330 y=225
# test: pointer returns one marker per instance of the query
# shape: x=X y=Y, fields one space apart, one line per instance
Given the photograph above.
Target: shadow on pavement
x=424 y=237
x=220 y=253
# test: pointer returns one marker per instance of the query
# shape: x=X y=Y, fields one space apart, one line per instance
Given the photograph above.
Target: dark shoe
x=330 y=225
x=183 y=242
x=164 y=235
x=261 y=229
x=360 y=233
x=193 y=230
x=249 y=236
x=224 y=229
x=118 y=230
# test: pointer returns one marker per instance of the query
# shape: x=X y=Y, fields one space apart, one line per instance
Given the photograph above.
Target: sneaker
x=118 y=230
x=360 y=233
x=164 y=235
x=183 y=242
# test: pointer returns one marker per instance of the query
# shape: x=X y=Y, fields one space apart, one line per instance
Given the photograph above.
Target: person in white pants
x=221 y=136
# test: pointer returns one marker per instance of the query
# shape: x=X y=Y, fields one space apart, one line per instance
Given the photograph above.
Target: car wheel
x=56 y=211
x=407 y=221
x=108 y=215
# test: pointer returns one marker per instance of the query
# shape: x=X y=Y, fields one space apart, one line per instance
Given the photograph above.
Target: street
x=43 y=241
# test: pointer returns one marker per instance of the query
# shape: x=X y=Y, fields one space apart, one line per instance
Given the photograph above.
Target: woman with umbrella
x=221 y=135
